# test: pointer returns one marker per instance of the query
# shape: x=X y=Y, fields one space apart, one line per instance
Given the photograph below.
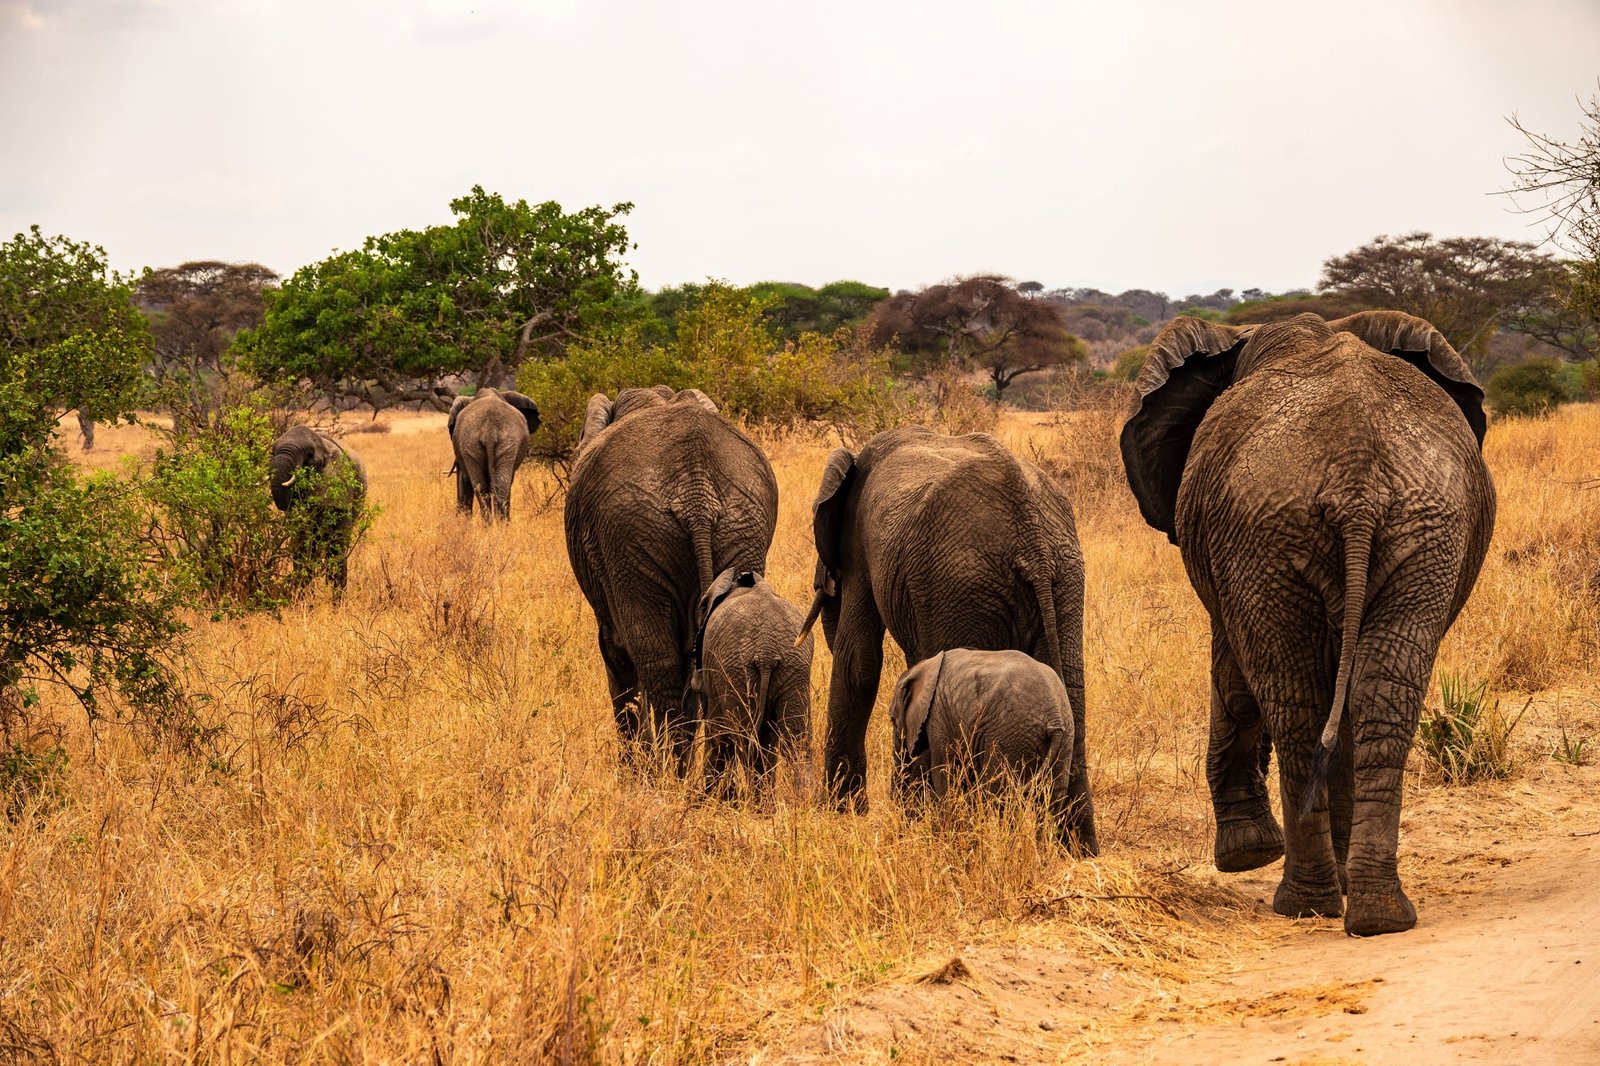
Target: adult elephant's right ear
x=596 y=416
x=1419 y=342
x=455 y=409
x=827 y=513
x=1190 y=363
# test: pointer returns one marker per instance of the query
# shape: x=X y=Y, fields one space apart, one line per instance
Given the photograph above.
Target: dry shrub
x=372 y=425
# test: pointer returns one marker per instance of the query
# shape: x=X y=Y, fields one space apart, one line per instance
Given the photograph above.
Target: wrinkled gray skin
x=332 y=514
x=755 y=684
x=665 y=495
x=489 y=432
x=1324 y=484
x=948 y=542
x=983 y=718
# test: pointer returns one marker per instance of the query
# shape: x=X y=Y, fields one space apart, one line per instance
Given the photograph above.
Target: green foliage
x=792 y=310
x=723 y=345
x=504 y=282
x=1571 y=748
x=70 y=337
x=1468 y=736
x=1531 y=388
x=1130 y=363
x=215 y=528
x=33 y=781
x=79 y=606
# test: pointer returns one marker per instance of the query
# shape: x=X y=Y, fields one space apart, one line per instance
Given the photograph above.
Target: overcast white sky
x=1175 y=146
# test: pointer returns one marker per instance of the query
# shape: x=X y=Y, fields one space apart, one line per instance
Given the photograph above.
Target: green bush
x=33 y=780
x=1468 y=736
x=213 y=523
x=1531 y=388
x=1130 y=364
x=722 y=345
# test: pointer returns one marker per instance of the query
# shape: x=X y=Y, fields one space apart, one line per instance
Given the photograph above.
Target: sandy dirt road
x=1504 y=967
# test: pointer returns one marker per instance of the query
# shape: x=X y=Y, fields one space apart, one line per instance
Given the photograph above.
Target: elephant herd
x=1323 y=482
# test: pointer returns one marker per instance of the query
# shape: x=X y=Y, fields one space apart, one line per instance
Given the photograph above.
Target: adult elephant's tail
x=1358 y=532
x=1044 y=594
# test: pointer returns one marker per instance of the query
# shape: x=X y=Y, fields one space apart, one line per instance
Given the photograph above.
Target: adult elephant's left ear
x=827 y=513
x=1419 y=342
x=529 y=409
x=455 y=410
x=1190 y=363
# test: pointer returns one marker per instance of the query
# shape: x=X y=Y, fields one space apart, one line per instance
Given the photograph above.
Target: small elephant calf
x=983 y=717
x=755 y=681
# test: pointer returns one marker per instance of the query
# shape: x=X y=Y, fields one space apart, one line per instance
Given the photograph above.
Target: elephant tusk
x=811 y=617
x=292 y=476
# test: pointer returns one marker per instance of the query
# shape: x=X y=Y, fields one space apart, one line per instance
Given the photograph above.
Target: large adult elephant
x=665 y=495
x=1324 y=483
x=948 y=542
x=489 y=433
x=326 y=483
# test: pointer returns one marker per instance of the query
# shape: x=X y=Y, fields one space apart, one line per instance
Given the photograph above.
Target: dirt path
x=1504 y=967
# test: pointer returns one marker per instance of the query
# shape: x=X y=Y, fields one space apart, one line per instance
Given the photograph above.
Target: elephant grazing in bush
x=949 y=542
x=754 y=680
x=665 y=495
x=322 y=485
x=1324 y=484
x=489 y=433
x=985 y=718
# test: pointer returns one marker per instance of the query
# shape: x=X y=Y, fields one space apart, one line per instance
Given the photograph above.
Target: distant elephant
x=754 y=681
x=489 y=433
x=950 y=542
x=665 y=495
x=1324 y=484
x=326 y=483
x=983 y=718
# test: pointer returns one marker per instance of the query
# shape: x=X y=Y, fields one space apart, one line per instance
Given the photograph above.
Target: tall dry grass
x=411 y=842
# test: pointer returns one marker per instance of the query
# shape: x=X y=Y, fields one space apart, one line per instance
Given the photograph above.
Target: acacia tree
x=388 y=323
x=1463 y=285
x=978 y=321
x=195 y=312
x=1559 y=181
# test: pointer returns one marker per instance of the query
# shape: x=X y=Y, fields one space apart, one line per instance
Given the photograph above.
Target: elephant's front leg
x=1248 y=836
x=857 y=665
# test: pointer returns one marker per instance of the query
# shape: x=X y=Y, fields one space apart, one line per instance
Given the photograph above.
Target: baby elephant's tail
x=1358 y=533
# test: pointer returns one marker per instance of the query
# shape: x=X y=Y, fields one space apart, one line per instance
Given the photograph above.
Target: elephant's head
x=1192 y=362
x=727 y=582
x=910 y=707
x=604 y=411
x=301 y=448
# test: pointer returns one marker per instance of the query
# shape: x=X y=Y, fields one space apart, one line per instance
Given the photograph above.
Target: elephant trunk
x=280 y=476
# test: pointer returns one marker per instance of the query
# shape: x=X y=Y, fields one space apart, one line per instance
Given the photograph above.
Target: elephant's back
x=760 y=624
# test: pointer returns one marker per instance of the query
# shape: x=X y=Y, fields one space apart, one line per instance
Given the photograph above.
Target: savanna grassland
x=409 y=839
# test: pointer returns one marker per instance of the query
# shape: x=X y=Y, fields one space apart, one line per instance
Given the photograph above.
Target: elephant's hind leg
x=852 y=689
x=1248 y=837
x=623 y=682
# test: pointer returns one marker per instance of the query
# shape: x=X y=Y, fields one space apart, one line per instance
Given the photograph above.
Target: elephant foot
x=1374 y=913
x=1248 y=843
x=1294 y=902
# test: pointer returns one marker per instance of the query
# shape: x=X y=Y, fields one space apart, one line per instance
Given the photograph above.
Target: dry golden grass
x=415 y=844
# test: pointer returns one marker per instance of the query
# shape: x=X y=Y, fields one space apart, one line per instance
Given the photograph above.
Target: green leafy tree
x=79 y=605
x=792 y=309
x=195 y=311
x=70 y=336
x=389 y=323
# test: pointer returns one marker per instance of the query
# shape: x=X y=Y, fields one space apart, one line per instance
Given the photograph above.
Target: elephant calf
x=755 y=681
x=983 y=718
